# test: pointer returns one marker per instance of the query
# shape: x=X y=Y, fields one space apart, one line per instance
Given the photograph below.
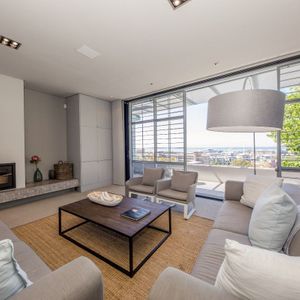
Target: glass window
x=157 y=133
x=290 y=135
x=219 y=156
x=170 y=131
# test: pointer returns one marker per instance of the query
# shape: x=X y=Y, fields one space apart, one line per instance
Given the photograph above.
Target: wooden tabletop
x=110 y=217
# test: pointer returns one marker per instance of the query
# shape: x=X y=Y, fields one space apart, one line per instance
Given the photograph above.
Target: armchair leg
x=158 y=200
x=186 y=213
x=150 y=197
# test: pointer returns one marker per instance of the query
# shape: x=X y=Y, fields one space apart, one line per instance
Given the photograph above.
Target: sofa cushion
x=272 y=219
x=212 y=254
x=169 y=193
x=34 y=267
x=255 y=185
x=145 y=189
x=181 y=180
x=292 y=245
x=6 y=233
x=26 y=257
x=234 y=217
x=151 y=175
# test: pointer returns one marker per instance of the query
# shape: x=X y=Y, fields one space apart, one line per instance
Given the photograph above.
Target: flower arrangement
x=37 y=176
x=35 y=159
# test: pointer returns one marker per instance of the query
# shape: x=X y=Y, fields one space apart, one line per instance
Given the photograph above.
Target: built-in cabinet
x=89 y=126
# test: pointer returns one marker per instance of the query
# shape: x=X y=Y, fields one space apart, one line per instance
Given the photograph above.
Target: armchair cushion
x=181 y=181
x=169 y=193
x=146 y=189
x=151 y=175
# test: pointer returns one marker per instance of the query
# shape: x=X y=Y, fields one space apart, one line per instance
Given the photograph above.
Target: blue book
x=136 y=213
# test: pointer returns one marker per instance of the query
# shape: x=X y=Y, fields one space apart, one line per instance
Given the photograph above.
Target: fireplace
x=7 y=176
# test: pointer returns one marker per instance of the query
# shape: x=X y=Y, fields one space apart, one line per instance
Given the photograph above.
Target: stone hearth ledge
x=37 y=189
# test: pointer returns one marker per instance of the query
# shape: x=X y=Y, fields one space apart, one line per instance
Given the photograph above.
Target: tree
x=241 y=163
x=290 y=134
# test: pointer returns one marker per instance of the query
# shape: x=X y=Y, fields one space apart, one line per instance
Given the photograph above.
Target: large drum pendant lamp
x=246 y=111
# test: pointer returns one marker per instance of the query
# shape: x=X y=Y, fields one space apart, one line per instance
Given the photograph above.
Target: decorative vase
x=38 y=176
x=51 y=174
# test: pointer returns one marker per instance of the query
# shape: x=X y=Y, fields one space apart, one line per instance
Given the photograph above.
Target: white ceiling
x=140 y=42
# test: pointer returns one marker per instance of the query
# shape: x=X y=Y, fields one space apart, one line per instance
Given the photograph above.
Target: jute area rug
x=180 y=250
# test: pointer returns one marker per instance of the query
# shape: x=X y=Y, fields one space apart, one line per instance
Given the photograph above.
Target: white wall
x=118 y=141
x=12 y=125
x=45 y=131
x=90 y=125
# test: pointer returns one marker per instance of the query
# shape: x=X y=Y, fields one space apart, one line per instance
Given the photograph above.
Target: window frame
x=206 y=83
x=155 y=121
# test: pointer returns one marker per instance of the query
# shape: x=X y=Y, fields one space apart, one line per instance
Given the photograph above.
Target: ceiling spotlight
x=9 y=42
x=177 y=3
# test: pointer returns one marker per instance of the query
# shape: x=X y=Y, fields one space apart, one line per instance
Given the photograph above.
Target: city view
x=234 y=156
x=218 y=156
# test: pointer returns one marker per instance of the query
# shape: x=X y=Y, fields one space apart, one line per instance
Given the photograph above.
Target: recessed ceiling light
x=9 y=42
x=177 y=3
x=88 y=52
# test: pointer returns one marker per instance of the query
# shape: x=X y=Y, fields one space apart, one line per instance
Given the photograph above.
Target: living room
x=149 y=149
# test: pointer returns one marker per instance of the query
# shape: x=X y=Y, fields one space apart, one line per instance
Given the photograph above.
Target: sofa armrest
x=177 y=285
x=78 y=280
x=162 y=184
x=233 y=190
x=191 y=192
x=131 y=182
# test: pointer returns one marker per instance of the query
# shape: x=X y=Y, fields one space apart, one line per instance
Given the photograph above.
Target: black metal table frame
x=131 y=272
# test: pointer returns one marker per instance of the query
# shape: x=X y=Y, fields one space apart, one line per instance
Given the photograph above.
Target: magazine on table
x=136 y=213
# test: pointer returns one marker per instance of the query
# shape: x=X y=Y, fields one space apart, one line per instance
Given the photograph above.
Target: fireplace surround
x=7 y=176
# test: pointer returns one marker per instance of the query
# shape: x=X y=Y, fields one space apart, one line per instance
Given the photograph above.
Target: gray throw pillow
x=151 y=175
x=272 y=219
x=182 y=180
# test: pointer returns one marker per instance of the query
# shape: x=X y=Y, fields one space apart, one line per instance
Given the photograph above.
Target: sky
x=198 y=136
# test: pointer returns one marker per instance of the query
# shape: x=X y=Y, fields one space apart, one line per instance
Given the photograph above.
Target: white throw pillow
x=12 y=278
x=255 y=185
x=258 y=274
x=272 y=219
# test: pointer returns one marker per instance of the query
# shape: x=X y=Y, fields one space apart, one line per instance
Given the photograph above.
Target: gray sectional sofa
x=232 y=223
x=77 y=280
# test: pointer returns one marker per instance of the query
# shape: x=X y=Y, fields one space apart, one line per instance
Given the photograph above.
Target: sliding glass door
x=219 y=156
x=170 y=131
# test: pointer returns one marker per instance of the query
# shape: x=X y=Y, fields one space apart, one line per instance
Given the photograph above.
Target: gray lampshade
x=246 y=111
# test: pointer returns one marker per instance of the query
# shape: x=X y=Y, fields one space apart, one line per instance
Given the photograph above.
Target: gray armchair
x=180 y=190
x=145 y=185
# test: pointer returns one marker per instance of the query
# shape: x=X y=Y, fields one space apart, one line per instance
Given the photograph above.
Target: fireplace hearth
x=7 y=176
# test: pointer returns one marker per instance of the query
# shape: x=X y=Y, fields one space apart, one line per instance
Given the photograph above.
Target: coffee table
x=110 y=218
